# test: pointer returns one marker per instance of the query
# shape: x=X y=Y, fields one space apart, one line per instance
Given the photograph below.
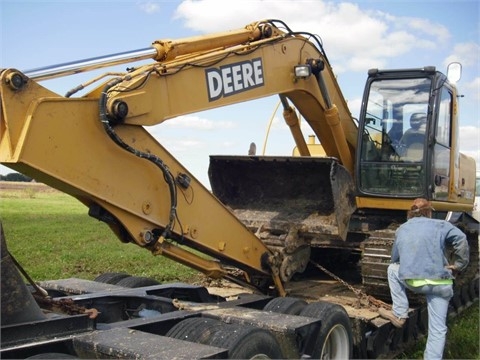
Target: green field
x=52 y=236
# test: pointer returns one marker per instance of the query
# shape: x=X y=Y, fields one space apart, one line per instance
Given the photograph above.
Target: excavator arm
x=95 y=147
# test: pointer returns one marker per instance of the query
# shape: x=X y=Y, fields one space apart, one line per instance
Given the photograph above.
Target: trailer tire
x=246 y=342
x=111 y=277
x=137 y=281
x=286 y=305
x=196 y=329
x=242 y=341
x=334 y=339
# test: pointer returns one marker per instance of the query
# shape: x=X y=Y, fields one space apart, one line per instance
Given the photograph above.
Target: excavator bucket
x=304 y=199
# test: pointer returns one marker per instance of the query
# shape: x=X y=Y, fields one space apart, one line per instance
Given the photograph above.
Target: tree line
x=15 y=177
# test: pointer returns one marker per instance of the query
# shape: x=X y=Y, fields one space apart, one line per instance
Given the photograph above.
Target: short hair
x=420 y=207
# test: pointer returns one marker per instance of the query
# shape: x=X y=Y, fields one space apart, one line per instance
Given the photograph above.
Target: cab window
x=394 y=137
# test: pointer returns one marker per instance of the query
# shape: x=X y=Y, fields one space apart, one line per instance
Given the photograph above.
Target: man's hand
x=453 y=268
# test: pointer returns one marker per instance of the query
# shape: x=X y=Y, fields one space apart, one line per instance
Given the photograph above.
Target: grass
x=462 y=337
x=52 y=236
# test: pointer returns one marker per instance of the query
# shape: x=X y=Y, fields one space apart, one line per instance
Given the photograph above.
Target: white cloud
x=468 y=54
x=183 y=145
x=473 y=87
x=203 y=15
x=470 y=137
x=198 y=123
x=355 y=105
x=437 y=31
x=149 y=7
x=176 y=145
x=372 y=38
x=474 y=84
x=470 y=142
x=228 y=144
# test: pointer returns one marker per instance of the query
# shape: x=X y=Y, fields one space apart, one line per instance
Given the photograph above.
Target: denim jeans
x=438 y=298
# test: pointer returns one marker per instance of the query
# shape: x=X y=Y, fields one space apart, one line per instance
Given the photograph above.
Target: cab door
x=442 y=145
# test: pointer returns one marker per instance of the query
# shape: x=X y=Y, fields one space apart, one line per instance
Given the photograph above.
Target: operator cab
x=405 y=134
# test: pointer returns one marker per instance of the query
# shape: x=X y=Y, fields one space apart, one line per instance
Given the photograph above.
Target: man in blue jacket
x=419 y=264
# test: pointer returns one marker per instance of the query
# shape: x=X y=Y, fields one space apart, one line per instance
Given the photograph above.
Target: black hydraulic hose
x=168 y=176
x=289 y=31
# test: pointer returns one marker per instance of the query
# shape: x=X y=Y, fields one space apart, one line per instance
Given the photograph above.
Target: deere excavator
x=267 y=219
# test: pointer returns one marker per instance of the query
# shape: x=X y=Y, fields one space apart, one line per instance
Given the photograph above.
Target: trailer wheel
x=242 y=341
x=137 y=281
x=245 y=342
x=286 y=305
x=335 y=339
x=111 y=277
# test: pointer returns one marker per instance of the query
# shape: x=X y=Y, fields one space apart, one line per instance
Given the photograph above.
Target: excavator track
x=376 y=252
x=466 y=285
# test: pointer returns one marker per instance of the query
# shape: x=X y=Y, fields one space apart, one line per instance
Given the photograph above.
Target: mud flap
x=311 y=195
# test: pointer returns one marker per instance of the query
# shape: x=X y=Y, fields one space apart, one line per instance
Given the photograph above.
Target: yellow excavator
x=267 y=216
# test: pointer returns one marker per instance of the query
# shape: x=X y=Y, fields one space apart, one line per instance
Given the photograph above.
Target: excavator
x=266 y=219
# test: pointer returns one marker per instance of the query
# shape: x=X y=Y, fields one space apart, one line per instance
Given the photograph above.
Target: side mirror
x=454 y=72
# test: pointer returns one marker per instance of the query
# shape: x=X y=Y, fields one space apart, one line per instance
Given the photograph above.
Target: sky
x=356 y=35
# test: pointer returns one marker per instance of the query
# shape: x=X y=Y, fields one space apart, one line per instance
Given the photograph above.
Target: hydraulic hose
x=168 y=176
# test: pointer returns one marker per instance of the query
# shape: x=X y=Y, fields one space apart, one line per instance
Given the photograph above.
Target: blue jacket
x=420 y=248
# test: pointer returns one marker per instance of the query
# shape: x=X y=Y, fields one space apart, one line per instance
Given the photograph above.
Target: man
x=419 y=263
